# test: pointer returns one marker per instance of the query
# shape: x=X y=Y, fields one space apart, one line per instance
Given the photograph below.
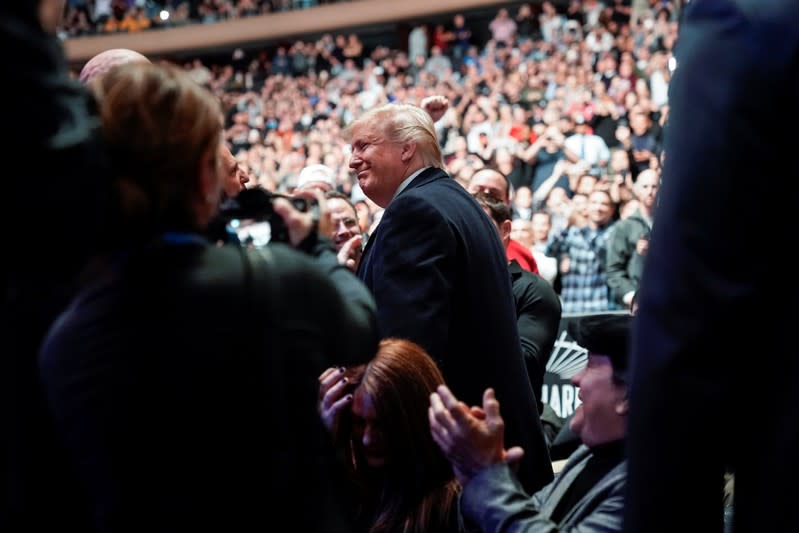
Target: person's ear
x=408 y=151
x=623 y=406
x=504 y=230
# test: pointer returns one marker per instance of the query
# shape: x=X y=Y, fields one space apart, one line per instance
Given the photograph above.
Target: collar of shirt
x=407 y=181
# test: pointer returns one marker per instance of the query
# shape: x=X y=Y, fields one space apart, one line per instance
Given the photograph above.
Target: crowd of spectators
x=89 y=17
x=562 y=102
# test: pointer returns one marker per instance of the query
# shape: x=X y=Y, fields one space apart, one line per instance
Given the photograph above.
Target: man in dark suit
x=699 y=403
x=439 y=274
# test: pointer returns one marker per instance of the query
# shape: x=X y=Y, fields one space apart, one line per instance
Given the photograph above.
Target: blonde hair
x=404 y=123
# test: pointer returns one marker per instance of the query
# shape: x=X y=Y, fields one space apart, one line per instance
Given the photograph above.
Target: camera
x=257 y=205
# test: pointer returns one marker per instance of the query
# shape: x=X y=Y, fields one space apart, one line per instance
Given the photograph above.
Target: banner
x=567 y=358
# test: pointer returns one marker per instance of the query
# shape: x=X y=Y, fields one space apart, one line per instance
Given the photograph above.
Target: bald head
x=105 y=61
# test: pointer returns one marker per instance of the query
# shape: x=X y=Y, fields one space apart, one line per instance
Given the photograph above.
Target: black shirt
x=605 y=458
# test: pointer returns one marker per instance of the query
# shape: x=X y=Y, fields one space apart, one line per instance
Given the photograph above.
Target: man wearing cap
x=319 y=177
x=589 y=492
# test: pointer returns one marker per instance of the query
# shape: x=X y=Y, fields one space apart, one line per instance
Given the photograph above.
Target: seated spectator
x=588 y=494
x=378 y=414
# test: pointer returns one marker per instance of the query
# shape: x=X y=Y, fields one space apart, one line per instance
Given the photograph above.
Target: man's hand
x=301 y=224
x=350 y=253
x=435 y=106
x=471 y=438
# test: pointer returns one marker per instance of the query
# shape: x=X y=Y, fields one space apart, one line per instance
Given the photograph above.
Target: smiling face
x=379 y=164
x=600 y=208
x=345 y=221
x=602 y=416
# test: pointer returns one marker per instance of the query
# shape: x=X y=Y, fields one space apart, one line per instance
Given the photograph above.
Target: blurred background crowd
x=563 y=98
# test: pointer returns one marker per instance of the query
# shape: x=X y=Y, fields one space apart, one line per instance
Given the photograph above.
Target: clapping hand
x=471 y=438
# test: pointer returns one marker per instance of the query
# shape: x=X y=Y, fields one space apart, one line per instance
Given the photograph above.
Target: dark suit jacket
x=440 y=278
x=185 y=386
x=715 y=364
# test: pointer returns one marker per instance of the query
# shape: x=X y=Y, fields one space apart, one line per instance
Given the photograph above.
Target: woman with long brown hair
x=378 y=414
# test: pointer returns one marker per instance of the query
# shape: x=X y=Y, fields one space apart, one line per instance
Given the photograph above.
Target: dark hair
x=509 y=190
x=341 y=196
x=499 y=210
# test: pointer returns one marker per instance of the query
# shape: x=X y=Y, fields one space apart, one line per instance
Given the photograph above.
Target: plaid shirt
x=584 y=288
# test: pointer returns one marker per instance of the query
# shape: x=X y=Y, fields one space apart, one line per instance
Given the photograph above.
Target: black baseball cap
x=607 y=335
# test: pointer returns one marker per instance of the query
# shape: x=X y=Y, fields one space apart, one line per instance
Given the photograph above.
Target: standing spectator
x=346 y=235
x=707 y=306
x=462 y=41
x=526 y=24
x=540 y=228
x=438 y=64
x=544 y=154
x=417 y=42
x=630 y=242
x=581 y=254
x=643 y=143
x=438 y=271
x=58 y=136
x=496 y=185
x=550 y=22
x=503 y=29
x=442 y=38
x=537 y=305
x=589 y=147
x=147 y=348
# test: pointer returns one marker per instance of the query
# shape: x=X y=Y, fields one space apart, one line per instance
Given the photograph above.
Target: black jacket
x=185 y=386
x=538 y=318
x=440 y=278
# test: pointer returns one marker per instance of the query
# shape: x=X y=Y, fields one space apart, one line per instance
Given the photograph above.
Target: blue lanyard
x=176 y=237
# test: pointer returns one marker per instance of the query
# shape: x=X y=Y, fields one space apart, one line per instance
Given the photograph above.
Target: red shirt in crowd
x=522 y=255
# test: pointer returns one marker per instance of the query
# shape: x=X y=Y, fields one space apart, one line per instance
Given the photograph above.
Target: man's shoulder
x=429 y=192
